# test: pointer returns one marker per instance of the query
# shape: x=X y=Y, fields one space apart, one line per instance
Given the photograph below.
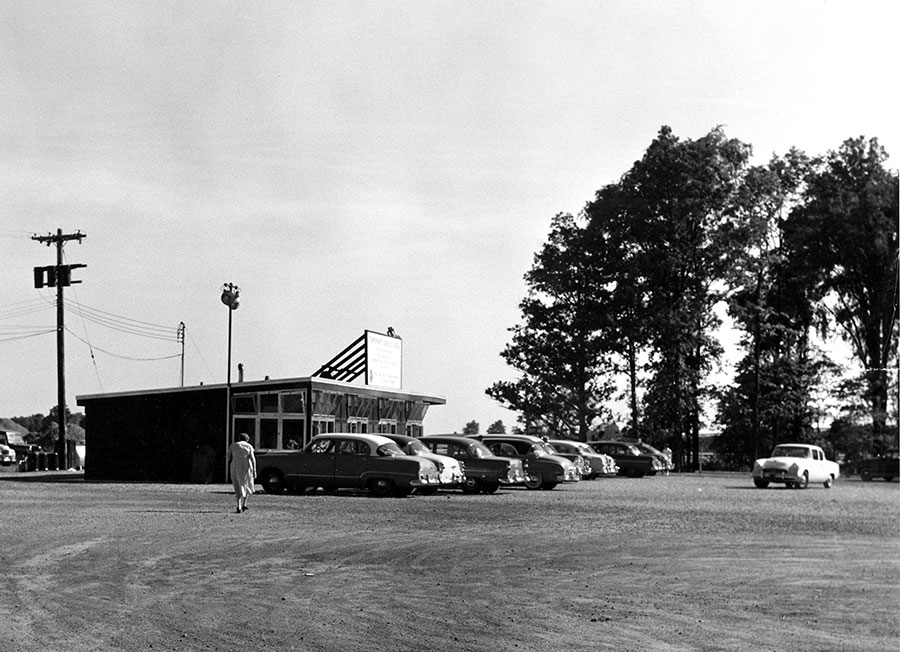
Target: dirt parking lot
x=684 y=562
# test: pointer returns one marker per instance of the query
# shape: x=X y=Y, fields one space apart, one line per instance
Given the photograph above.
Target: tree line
x=799 y=250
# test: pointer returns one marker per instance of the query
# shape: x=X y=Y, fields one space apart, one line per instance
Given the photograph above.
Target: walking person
x=242 y=465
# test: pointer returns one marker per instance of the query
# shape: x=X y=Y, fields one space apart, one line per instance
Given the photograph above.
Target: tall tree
x=845 y=235
x=771 y=308
x=557 y=349
x=680 y=204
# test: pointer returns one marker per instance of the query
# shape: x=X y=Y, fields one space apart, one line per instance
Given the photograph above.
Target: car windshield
x=389 y=450
x=415 y=448
x=647 y=448
x=790 y=451
x=540 y=449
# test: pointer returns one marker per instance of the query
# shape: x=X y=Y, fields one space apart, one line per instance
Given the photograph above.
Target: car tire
x=533 y=480
x=547 y=486
x=829 y=482
x=865 y=475
x=759 y=483
x=381 y=487
x=471 y=485
x=490 y=487
x=273 y=481
x=803 y=483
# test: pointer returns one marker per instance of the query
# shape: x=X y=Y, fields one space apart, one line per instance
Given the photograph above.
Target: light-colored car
x=795 y=466
x=450 y=470
x=596 y=464
x=7 y=455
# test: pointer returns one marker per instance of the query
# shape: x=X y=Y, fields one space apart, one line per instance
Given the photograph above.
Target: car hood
x=780 y=462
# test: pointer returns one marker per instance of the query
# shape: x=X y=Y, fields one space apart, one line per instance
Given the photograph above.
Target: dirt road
x=678 y=563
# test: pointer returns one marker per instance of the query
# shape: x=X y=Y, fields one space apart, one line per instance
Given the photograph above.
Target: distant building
x=181 y=434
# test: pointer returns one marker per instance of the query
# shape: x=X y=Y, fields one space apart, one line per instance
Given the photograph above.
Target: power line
x=117 y=355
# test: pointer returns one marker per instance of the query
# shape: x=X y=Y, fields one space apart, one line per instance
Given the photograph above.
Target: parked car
x=664 y=465
x=344 y=460
x=885 y=466
x=17 y=443
x=795 y=466
x=595 y=464
x=450 y=470
x=485 y=472
x=629 y=459
x=7 y=455
x=544 y=469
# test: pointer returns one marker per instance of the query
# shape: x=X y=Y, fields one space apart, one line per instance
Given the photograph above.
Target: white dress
x=242 y=464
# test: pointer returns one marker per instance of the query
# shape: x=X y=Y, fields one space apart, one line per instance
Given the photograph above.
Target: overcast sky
x=359 y=165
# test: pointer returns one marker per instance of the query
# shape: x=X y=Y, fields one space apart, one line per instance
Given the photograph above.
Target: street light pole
x=231 y=297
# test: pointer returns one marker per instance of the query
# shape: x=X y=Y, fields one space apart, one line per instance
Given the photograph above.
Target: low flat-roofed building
x=182 y=435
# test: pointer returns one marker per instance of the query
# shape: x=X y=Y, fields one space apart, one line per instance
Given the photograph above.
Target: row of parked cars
x=397 y=465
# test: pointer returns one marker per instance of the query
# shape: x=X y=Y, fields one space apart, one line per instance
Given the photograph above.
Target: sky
x=356 y=165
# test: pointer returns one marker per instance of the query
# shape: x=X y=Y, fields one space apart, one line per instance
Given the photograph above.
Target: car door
x=317 y=462
x=350 y=462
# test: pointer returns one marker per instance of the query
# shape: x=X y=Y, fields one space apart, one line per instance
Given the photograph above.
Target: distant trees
x=843 y=236
x=496 y=428
x=471 y=428
x=43 y=430
x=631 y=283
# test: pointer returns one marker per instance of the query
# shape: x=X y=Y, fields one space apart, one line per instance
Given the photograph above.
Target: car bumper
x=777 y=475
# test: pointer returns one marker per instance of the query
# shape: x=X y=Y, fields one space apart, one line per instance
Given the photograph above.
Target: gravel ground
x=681 y=562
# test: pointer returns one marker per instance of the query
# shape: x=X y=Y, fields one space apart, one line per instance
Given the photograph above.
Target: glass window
x=322 y=426
x=326 y=403
x=245 y=425
x=347 y=447
x=243 y=403
x=320 y=446
x=292 y=403
x=268 y=433
x=268 y=402
x=292 y=430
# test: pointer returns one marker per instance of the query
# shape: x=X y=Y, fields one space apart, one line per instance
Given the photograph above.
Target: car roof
x=499 y=435
x=395 y=437
x=371 y=438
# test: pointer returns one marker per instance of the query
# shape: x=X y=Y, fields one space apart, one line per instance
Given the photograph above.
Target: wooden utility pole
x=59 y=276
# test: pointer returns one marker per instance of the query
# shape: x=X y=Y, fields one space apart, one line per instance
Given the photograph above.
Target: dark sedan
x=630 y=460
x=485 y=472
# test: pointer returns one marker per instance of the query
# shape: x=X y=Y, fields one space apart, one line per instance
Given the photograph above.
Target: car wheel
x=381 y=487
x=272 y=481
x=547 y=486
x=490 y=487
x=865 y=475
x=471 y=485
x=760 y=483
x=804 y=481
x=829 y=482
x=533 y=480
x=401 y=492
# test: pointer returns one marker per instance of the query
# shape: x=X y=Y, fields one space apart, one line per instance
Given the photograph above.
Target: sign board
x=384 y=358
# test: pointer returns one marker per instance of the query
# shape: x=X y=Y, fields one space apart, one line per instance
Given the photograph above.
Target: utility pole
x=59 y=276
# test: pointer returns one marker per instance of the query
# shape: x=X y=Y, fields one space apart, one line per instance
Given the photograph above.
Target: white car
x=795 y=465
x=7 y=455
